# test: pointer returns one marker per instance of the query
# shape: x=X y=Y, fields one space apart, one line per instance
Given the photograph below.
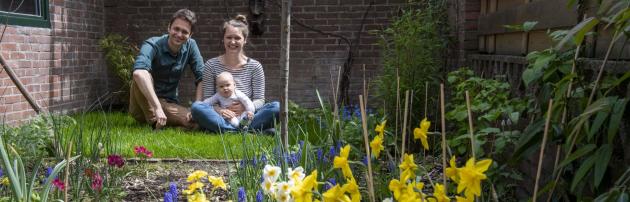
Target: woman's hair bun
x=241 y=18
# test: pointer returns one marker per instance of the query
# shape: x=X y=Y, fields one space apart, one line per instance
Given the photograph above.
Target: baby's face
x=225 y=86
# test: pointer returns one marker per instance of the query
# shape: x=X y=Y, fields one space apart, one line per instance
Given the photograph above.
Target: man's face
x=179 y=31
x=225 y=86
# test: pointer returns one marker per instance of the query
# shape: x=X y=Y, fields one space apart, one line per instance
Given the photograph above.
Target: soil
x=151 y=179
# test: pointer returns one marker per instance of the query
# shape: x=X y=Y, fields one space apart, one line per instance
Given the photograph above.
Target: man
x=157 y=71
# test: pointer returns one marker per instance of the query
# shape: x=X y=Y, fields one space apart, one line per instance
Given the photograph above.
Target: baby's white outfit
x=225 y=102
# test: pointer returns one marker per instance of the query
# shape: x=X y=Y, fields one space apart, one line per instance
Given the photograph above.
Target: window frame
x=43 y=20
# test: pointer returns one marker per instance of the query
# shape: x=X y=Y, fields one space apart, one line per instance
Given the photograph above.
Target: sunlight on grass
x=169 y=142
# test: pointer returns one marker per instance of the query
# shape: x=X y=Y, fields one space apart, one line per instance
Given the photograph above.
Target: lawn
x=126 y=133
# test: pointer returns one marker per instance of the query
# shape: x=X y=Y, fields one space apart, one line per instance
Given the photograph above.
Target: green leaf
x=531 y=136
x=578 y=31
x=602 y=155
x=597 y=124
x=490 y=130
x=577 y=154
x=529 y=25
x=582 y=172
x=530 y=75
x=514 y=117
x=615 y=118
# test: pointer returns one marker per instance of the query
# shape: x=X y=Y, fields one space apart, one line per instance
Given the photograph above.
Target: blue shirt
x=166 y=68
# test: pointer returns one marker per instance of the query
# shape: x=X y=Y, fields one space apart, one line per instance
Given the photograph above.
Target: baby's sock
x=234 y=122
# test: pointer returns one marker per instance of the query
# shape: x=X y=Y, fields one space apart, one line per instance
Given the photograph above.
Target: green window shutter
x=40 y=19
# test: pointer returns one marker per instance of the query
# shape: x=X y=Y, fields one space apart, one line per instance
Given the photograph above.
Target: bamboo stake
x=367 y=149
x=65 y=180
x=542 y=149
x=470 y=126
x=443 y=135
x=397 y=106
x=20 y=86
x=404 y=127
x=426 y=98
x=365 y=94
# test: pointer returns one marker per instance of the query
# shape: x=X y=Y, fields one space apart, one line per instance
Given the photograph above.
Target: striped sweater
x=250 y=79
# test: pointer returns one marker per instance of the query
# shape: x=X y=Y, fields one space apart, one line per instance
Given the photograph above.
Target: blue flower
x=1 y=173
x=241 y=195
x=331 y=152
x=255 y=161
x=263 y=159
x=49 y=171
x=347 y=113
x=168 y=197
x=243 y=163
x=259 y=196
x=365 y=160
x=331 y=183
x=320 y=154
x=357 y=111
x=172 y=188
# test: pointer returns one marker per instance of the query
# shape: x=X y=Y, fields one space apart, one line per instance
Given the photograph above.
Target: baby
x=227 y=94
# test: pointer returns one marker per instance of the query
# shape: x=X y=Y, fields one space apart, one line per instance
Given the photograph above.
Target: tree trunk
x=285 y=37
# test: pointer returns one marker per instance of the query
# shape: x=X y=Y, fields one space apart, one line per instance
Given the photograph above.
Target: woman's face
x=233 y=40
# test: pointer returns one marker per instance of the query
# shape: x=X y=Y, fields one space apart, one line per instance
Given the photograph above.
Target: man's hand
x=160 y=118
x=237 y=108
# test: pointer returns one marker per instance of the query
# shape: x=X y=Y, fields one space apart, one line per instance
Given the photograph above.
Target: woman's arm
x=258 y=86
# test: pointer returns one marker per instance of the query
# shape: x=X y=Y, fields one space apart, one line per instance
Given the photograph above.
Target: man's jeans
x=210 y=120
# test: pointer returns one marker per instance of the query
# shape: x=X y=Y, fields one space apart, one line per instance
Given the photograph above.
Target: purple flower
x=331 y=152
x=331 y=183
x=259 y=196
x=365 y=160
x=320 y=154
x=168 y=197
x=97 y=182
x=263 y=159
x=241 y=195
x=49 y=171
x=255 y=161
x=59 y=184
x=1 y=173
x=172 y=189
x=115 y=160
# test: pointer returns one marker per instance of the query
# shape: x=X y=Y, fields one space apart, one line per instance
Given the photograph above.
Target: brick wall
x=314 y=56
x=62 y=66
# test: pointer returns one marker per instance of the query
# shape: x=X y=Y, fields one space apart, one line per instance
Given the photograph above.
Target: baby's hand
x=250 y=115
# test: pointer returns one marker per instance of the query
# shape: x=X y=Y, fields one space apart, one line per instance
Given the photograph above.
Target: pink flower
x=97 y=182
x=59 y=184
x=141 y=150
x=115 y=160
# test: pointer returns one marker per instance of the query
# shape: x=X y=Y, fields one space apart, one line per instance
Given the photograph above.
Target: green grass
x=126 y=133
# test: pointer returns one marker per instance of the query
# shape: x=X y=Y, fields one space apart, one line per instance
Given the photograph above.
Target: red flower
x=97 y=182
x=115 y=160
x=141 y=150
x=59 y=184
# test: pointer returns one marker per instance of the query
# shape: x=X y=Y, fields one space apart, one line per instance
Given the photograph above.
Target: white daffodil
x=296 y=174
x=283 y=197
x=283 y=188
x=271 y=173
x=268 y=187
x=388 y=200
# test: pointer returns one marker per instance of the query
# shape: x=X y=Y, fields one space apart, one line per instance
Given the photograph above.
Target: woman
x=250 y=79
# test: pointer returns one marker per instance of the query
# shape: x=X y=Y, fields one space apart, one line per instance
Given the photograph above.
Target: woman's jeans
x=210 y=120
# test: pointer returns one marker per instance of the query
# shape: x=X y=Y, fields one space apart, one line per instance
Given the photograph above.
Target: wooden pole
x=285 y=35
x=404 y=126
x=20 y=86
x=367 y=149
x=443 y=134
x=470 y=126
x=542 y=149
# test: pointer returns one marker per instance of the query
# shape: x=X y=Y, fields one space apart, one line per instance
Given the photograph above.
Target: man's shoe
x=269 y=131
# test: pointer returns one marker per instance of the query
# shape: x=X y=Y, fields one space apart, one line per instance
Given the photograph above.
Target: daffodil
x=463 y=199
x=336 y=194
x=4 y=181
x=408 y=167
x=452 y=171
x=380 y=128
x=283 y=197
x=296 y=174
x=197 y=197
x=341 y=161
x=353 y=189
x=268 y=186
x=418 y=186
x=271 y=172
x=470 y=177
x=396 y=186
x=303 y=191
x=283 y=188
x=377 y=145
x=439 y=193
x=217 y=182
x=196 y=176
x=421 y=133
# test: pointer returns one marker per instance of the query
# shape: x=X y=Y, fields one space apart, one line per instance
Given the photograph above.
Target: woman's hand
x=237 y=108
x=227 y=113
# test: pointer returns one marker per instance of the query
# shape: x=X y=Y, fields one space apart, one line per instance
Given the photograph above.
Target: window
x=32 y=13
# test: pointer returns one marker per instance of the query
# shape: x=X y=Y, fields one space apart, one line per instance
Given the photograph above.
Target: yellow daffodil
x=408 y=167
x=271 y=172
x=353 y=189
x=336 y=194
x=4 y=181
x=197 y=197
x=380 y=128
x=470 y=177
x=341 y=161
x=192 y=188
x=217 y=182
x=268 y=186
x=452 y=171
x=396 y=187
x=196 y=176
x=421 y=133
x=303 y=191
x=440 y=194
x=296 y=174
x=463 y=199
x=418 y=186
x=377 y=145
